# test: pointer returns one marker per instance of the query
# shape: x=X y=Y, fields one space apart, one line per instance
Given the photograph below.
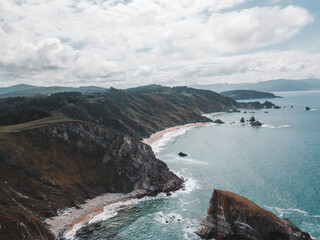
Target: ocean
x=277 y=166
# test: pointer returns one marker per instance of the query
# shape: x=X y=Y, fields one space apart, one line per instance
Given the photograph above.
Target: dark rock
x=231 y=217
x=245 y=112
x=242 y=120
x=181 y=154
x=218 y=121
x=276 y=107
x=266 y=112
x=252 y=119
x=256 y=123
x=291 y=106
x=307 y=108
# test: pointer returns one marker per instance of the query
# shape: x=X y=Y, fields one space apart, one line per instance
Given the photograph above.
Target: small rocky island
x=232 y=217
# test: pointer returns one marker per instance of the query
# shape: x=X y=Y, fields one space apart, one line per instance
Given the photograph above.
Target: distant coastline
x=159 y=135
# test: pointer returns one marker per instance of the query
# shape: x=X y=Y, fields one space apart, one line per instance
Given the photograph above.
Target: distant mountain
x=28 y=90
x=247 y=94
x=280 y=85
x=16 y=88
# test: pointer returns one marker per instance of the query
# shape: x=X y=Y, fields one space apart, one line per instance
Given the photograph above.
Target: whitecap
x=274 y=126
x=282 y=211
x=184 y=160
x=71 y=234
x=166 y=138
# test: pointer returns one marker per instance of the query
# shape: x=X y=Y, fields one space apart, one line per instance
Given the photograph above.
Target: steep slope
x=232 y=217
x=247 y=94
x=47 y=167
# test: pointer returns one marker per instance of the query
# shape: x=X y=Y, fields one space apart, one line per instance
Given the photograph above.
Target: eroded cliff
x=233 y=217
x=45 y=168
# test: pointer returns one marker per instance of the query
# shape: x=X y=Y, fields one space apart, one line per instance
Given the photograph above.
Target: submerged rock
x=307 y=108
x=181 y=154
x=231 y=217
x=256 y=123
x=218 y=121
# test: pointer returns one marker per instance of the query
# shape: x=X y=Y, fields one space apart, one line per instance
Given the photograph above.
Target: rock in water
x=256 y=123
x=232 y=217
x=181 y=154
x=242 y=120
x=307 y=108
x=218 y=121
x=252 y=119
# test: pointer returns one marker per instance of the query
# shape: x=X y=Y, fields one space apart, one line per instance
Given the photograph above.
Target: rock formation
x=307 y=108
x=252 y=119
x=181 y=154
x=256 y=123
x=233 y=217
x=242 y=120
x=53 y=166
x=219 y=121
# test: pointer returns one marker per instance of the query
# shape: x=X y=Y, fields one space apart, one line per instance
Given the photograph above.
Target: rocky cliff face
x=46 y=168
x=234 y=217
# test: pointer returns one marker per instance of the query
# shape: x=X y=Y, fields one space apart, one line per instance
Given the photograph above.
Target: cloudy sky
x=126 y=43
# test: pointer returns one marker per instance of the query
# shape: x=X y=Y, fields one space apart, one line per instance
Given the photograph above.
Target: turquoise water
x=277 y=166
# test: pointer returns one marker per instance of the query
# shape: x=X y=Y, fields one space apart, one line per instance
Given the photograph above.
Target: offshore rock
x=181 y=154
x=233 y=217
x=219 y=121
x=256 y=123
x=242 y=120
x=252 y=119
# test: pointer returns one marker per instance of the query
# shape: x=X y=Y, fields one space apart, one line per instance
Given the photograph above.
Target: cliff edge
x=233 y=217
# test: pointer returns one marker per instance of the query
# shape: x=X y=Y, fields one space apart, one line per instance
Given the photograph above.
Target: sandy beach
x=72 y=219
x=159 y=135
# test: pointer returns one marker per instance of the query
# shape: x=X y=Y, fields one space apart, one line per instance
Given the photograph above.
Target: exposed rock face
x=47 y=168
x=233 y=217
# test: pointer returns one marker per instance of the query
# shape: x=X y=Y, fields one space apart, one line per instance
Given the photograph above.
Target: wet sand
x=72 y=218
x=159 y=135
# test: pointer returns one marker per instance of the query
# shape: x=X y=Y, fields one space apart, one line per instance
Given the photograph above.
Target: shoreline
x=71 y=219
x=159 y=135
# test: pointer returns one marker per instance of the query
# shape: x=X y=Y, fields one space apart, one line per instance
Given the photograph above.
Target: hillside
x=28 y=90
x=247 y=94
x=58 y=150
x=136 y=112
x=279 y=85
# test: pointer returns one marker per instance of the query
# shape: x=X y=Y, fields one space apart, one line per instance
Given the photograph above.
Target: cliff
x=47 y=167
x=233 y=217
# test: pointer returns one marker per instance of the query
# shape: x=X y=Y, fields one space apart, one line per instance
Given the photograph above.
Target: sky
x=126 y=43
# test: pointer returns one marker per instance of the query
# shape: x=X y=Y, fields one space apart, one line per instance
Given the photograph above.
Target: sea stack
x=242 y=120
x=231 y=217
x=252 y=119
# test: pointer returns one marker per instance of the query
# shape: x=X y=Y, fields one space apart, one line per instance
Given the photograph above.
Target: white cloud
x=103 y=42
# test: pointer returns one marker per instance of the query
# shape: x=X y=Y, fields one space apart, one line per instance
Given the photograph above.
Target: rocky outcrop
x=233 y=217
x=242 y=120
x=50 y=167
x=219 y=121
x=256 y=123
